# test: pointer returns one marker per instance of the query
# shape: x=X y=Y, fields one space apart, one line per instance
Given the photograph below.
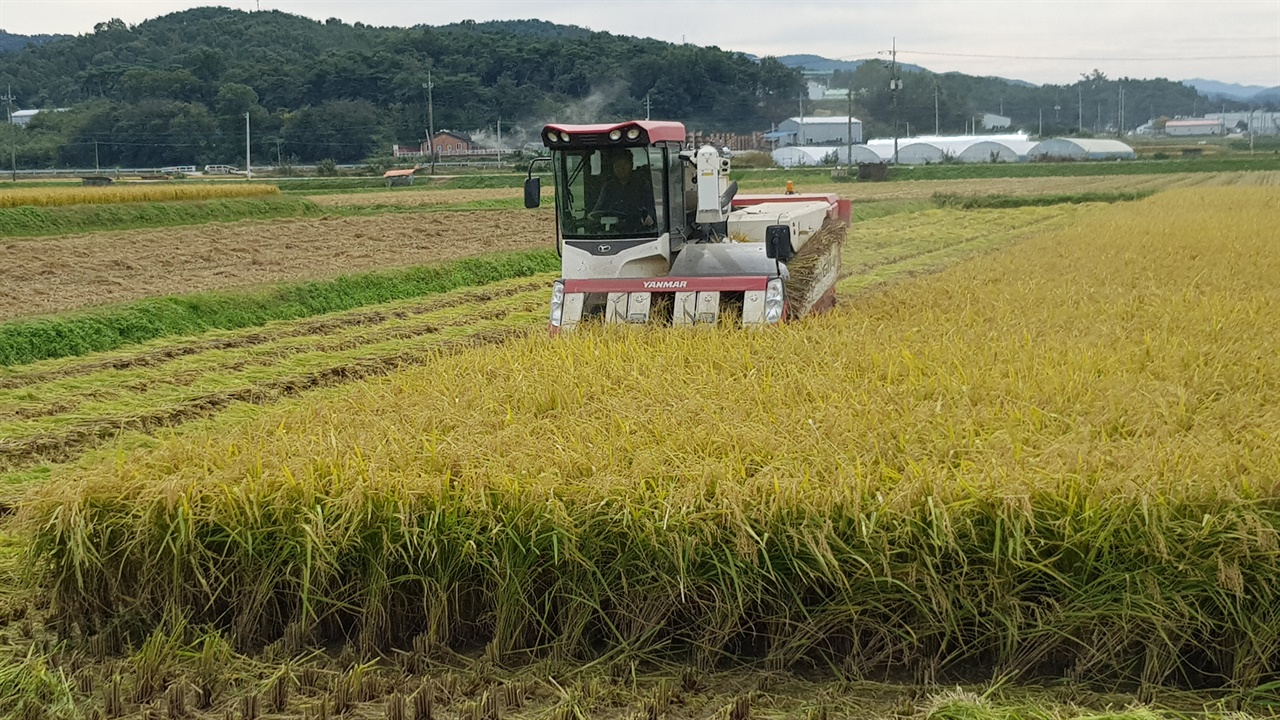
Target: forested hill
x=10 y=42
x=175 y=89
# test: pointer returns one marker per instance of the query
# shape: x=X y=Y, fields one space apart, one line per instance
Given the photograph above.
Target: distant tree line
x=175 y=90
x=1090 y=106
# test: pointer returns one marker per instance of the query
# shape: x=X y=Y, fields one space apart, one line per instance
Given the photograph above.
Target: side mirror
x=532 y=192
x=777 y=243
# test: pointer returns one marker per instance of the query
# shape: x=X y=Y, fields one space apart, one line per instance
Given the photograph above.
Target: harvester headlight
x=551 y=137
x=615 y=135
x=557 y=303
x=775 y=301
x=564 y=136
x=633 y=133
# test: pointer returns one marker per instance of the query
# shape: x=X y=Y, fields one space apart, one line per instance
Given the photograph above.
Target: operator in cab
x=625 y=202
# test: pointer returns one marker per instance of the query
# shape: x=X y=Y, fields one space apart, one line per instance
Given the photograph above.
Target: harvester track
x=66 y=445
x=319 y=326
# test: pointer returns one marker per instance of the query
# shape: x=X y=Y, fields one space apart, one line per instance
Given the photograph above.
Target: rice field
x=1057 y=460
x=1053 y=185
x=130 y=193
x=56 y=410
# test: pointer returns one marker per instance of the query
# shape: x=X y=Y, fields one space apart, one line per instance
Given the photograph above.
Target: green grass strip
x=28 y=221
x=111 y=327
x=973 y=202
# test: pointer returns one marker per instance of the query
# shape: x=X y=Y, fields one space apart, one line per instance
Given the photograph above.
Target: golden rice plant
x=1059 y=459
x=130 y=193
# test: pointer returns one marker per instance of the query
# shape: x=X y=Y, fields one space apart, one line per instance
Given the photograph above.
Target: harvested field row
x=56 y=275
x=888 y=249
x=1055 y=460
x=129 y=193
x=115 y=326
x=57 y=420
x=159 y=352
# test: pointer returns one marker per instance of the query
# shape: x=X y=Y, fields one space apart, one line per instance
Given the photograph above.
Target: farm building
x=22 y=118
x=1194 y=126
x=1080 y=149
x=816 y=131
x=1260 y=122
x=810 y=155
x=445 y=141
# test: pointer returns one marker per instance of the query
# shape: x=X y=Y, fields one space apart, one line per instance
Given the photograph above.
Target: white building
x=832 y=130
x=1261 y=122
x=22 y=118
x=1194 y=127
x=991 y=121
x=1081 y=149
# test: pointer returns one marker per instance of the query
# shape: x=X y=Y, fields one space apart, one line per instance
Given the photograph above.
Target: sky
x=1048 y=41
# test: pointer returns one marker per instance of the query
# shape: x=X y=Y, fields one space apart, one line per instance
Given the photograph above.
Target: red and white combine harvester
x=649 y=231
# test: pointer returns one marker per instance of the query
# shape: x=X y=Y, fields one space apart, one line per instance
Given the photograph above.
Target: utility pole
x=648 y=106
x=431 y=120
x=248 y=167
x=279 y=159
x=499 y=142
x=1041 y=133
x=849 y=132
x=1080 y=100
x=1120 y=111
x=13 y=135
x=800 y=136
x=97 y=168
x=895 y=85
x=936 y=125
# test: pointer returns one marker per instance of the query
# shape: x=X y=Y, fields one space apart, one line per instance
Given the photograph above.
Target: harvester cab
x=649 y=230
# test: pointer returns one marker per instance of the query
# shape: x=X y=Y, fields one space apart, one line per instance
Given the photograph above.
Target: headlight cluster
x=556 y=137
x=775 y=302
x=557 y=303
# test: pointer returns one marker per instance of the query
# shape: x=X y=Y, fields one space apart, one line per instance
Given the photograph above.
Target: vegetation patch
x=971 y=202
x=32 y=221
x=51 y=196
x=111 y=327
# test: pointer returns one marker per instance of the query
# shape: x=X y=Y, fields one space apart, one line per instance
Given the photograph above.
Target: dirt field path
x=58 y=274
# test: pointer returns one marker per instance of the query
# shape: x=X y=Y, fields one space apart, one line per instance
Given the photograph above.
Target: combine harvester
x=649 y=231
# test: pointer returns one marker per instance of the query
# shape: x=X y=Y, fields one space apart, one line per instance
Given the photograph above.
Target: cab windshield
x=610 y=192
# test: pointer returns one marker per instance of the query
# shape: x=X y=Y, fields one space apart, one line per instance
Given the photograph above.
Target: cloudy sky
x=1047 y=41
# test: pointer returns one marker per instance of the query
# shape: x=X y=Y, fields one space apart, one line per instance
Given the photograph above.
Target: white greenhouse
x=1081 y=149
x=810 y=155
x=986 y=151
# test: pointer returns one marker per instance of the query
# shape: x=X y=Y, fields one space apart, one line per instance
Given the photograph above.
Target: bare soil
x=39 y=277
